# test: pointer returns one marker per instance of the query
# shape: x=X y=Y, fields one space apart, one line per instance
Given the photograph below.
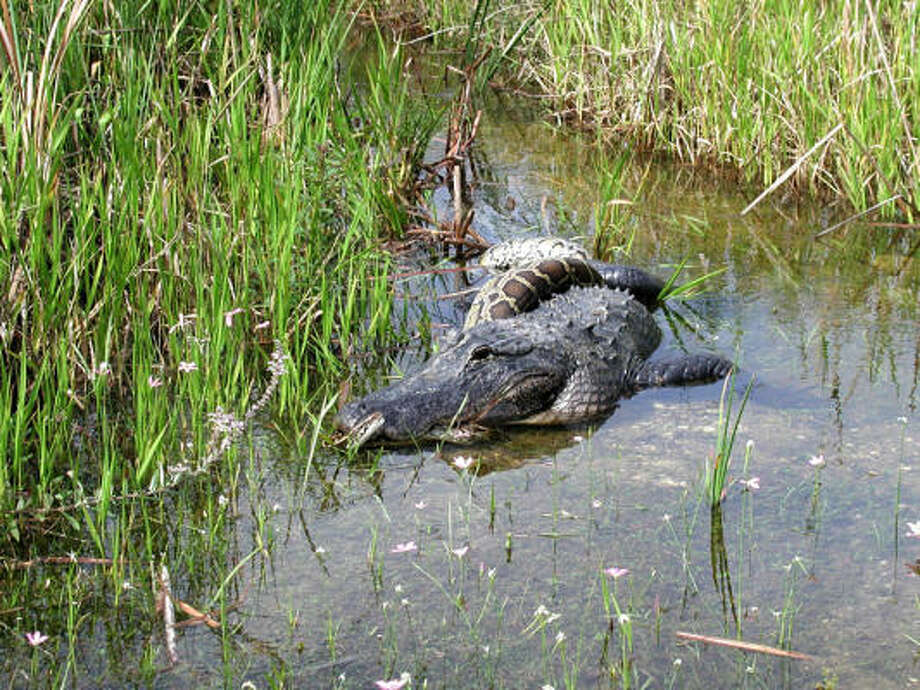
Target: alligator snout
x=359 y=424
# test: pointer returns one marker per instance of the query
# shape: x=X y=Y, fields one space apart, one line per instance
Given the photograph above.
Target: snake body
x=522 y=289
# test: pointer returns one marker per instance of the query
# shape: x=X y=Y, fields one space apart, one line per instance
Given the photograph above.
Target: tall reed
x=181 y=188
x=752 y=86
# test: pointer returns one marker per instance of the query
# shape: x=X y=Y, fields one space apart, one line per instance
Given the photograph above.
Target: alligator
x=551 y=343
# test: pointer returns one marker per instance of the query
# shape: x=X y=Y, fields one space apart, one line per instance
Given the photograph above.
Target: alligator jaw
x=365 y=430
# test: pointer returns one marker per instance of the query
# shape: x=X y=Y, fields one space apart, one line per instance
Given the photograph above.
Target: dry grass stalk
x=790 y=171
x=49 y=72
x=274 y=105
x=743 y=646
x=8 y=41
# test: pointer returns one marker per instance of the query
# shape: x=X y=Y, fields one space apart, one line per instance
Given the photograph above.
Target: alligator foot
x=682 y=371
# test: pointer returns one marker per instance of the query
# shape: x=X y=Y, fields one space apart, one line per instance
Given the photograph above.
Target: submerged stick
x=434 y=272
x=197 y=616
x=744 y=646
x=169 y=615
x=64 y=560
x=857 y=216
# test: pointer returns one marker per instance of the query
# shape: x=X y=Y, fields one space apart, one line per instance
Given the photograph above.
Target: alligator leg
x=681 y=371
x=641 y=285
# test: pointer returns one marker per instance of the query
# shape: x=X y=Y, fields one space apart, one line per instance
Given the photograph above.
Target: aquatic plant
x=688 y=289
x=623 y=670
x=717 y=466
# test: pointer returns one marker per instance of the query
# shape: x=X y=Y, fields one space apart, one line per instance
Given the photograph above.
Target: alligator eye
x=479 y=353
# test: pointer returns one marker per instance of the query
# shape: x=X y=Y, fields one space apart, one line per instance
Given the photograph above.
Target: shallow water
x=814 y=560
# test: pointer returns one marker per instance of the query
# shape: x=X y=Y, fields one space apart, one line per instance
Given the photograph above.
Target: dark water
x=814 y=560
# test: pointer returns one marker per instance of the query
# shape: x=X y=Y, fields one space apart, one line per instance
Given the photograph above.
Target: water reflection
x=721 y=574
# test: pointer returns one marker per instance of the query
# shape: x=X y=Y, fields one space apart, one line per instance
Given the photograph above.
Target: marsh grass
x=752 y=87
x=613 y=208
x=186 y=191
x=786 y=618
x=179 y=188
x=688 y=289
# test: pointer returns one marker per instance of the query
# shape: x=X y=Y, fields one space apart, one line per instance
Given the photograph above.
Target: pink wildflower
x=228 y=316
x=405 y=547
x=395 y=684
x=35 y=638
x=817 y=461
x=462 y=462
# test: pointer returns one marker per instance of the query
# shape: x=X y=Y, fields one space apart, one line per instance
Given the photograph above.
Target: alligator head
x=490 y=376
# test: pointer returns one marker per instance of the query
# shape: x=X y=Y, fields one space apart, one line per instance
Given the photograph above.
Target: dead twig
x=459 y=294
x=743 y=646
x=460 y=136
x=446 y=237
x=195 y=616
